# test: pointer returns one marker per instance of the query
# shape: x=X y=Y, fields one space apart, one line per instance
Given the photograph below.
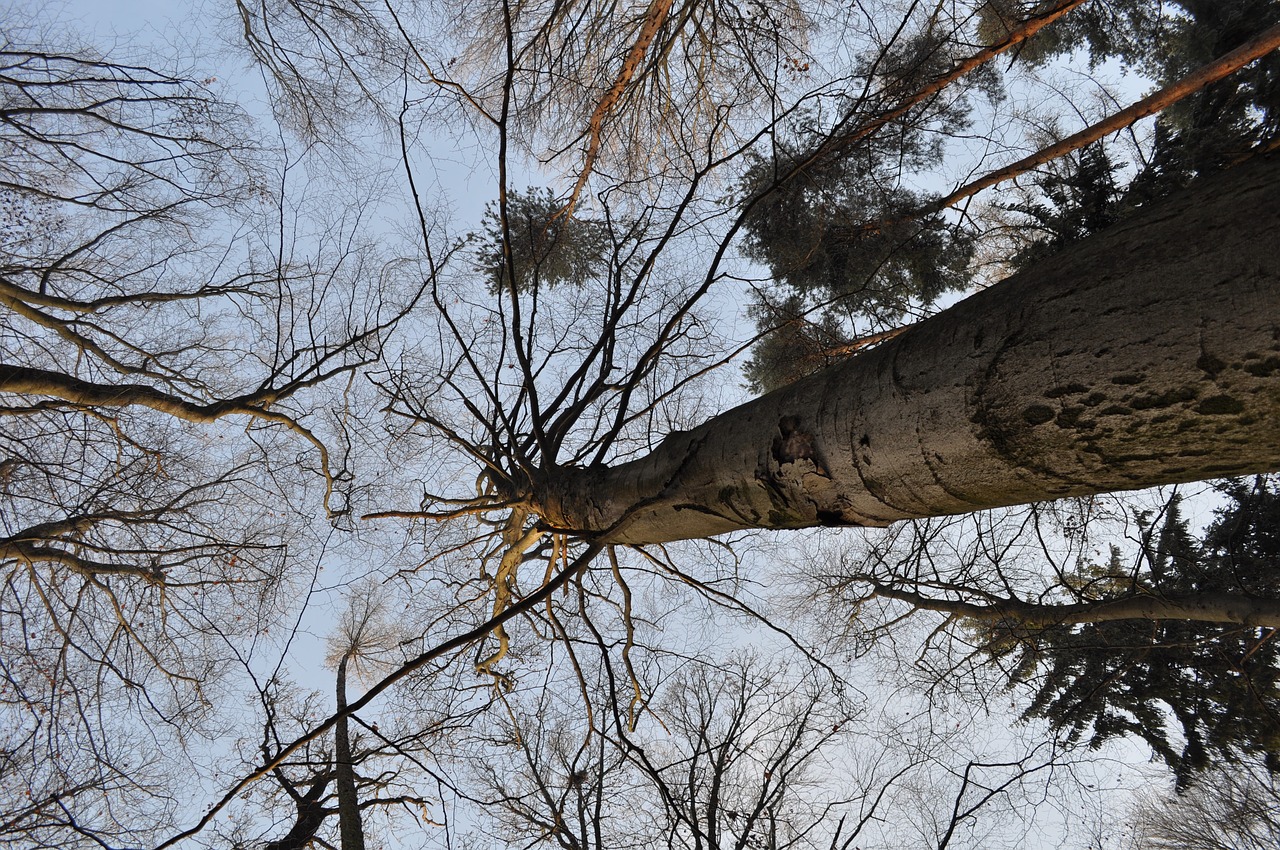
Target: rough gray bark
x=1145 y=355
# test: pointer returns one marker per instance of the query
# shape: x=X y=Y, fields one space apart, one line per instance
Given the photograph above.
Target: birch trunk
x=1145 y=355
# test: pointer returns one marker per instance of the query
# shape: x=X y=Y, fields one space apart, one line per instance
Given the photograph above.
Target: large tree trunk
x=1148 y=354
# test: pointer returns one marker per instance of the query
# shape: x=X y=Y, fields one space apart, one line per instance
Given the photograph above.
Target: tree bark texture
x=350 y=827
x=1148 y=354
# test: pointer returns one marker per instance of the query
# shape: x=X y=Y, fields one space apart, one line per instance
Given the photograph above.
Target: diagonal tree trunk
x=1145 y=355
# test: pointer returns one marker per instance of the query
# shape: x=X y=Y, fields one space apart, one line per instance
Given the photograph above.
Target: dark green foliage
x=795 y=344
x=1225 y=122
x=546 y=247
x=840 y=237
x=843 y=238
x=1205 y=132
x=830 y=217
x=811 y=233
x=1121 y=28
x=1080 y=197
x=1216 y=685
x=1228 y=121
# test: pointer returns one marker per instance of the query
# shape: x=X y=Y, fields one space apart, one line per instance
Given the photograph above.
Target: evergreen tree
x=1224 y=123
x=1212 y=129
x=846 y=243
x=1216 y=685
x=546 y=247
x=840 y=237
x=1079 y=197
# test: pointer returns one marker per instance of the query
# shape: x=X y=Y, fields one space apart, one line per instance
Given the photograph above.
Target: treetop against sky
x=418 y=335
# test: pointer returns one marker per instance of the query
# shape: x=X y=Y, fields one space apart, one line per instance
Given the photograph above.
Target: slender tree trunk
x=350 y=828
x=1145 y=355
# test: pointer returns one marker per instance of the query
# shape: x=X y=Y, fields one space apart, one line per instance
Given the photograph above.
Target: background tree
x=837 y=228
x=1125 y=676
x=1228 y=807
x=166 y=342
x=1083 y=200
x=444 y=417
x=1202 y=133
x=538 y=245
x=363 y=634
x=1173 y=647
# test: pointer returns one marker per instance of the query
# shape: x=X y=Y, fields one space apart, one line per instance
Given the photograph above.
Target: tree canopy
x=1125 y=676
x=377 y=465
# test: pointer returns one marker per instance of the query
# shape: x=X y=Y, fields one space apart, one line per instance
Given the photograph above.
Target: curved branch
x=26 y=552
